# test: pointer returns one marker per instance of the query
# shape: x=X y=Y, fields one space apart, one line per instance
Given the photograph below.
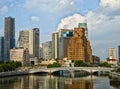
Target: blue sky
x=102 y=16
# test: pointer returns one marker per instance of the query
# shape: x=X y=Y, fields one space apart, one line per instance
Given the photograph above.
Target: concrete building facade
x=20 y=54
x=55 y=45
x=9 y=33
x=47 y=50
x=79 y=47
x=64 y=37
x=112 y=53
x=30 y=39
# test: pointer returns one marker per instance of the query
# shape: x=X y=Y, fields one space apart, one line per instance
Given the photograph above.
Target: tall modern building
x=119 y=53
x=112 y=53
x=30 y=39
x=55 y=45
x=2 y=56
x=9 y=34
x=47 y=50
x=84 y=25
x=64 y=37
x=79 y=47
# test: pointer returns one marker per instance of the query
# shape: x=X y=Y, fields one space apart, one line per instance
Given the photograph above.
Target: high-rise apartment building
x=64 y=37
x=55 y=45
x=30 y=39
x=2 y=56
x=112 y=53
x=47 y=50
x=79 y=47
x=84 y=25
x=9 y=34
x=119 y=53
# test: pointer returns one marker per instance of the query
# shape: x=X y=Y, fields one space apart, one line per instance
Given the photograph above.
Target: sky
x=102 y=17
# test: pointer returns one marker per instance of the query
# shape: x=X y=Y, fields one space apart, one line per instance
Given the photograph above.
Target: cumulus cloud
x=56 y=6
x=111 y=4
x=3 y=9
x=71 y=21
x=35 y=18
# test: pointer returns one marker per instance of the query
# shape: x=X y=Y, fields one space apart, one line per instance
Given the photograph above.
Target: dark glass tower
x=9 y=34
x=1 y=48
x=119 y=53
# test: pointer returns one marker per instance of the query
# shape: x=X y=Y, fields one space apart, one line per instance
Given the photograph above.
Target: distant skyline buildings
x=30 y=39
x=119 y=53
x=112 y=53
x=9 y=34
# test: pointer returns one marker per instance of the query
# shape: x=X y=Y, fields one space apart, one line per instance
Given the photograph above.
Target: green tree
x=79 y=63
x=105 y=64
x=53 y=65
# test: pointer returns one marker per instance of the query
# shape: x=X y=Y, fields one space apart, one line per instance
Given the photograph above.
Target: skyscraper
x=79 y=47
x=2 y=56
x=112 y=53
x=47 y=50
x=55 y=45
x=30 y=39
x=84 y=25
x=64 y=37
x=9 y=34
x=119 y=53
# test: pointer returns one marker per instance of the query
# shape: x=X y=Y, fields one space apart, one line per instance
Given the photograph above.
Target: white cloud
x=3 y=9
x=111 y=4
x=56 y=6
x=71 y=21
x=35 y=18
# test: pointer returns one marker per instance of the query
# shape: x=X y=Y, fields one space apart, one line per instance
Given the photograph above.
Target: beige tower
x=79 y=47
x=30 y=39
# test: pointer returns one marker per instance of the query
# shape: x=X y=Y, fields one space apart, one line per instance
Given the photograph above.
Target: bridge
x=90 y=70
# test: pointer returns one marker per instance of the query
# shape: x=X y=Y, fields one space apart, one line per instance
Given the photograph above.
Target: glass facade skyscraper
x=9 y=33
x=2 y=56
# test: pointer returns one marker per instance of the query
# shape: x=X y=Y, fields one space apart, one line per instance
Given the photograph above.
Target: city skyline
x=102 y=17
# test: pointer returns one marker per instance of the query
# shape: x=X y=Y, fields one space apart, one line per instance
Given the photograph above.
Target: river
x=52 y=82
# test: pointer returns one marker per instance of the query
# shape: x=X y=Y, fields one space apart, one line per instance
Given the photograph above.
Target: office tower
x=79 y=47
x=55 y=45
x=30 y=39
x=2 y=56
x=112 y=53
x=47 y=50
x=9 y=34
x=20 y=54
x=84 y=25
x=119 y=53
x=64 y=37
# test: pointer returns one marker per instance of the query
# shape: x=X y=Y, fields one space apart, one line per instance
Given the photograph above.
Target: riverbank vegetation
x=79 y=63
x=9 y=66
x=53 y=65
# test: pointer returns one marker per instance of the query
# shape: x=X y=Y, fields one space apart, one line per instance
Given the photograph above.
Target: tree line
x=9 y=65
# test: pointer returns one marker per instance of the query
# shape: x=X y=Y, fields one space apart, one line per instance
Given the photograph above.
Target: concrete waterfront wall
x=13 y=73
x=114 y=75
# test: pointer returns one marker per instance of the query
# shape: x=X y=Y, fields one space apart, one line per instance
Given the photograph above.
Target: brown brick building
x=79 y=47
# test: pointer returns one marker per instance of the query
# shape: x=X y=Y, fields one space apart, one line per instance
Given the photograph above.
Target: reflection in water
x=50 y=82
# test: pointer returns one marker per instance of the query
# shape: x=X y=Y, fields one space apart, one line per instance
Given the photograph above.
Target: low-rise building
x=20 y=54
